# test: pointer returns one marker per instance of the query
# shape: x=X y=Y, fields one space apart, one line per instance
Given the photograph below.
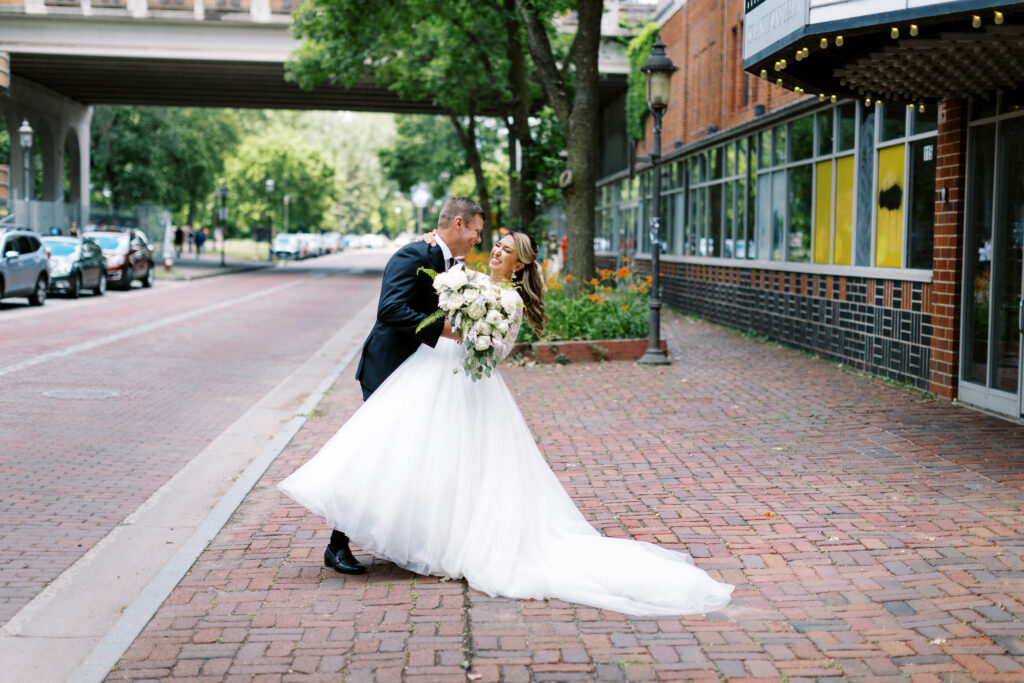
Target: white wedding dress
x=440 y=475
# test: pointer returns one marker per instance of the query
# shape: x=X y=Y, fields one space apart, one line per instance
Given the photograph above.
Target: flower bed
x=608 y=322
x=583 y=351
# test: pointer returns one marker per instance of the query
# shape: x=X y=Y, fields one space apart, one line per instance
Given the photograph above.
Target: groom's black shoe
x=343 y=560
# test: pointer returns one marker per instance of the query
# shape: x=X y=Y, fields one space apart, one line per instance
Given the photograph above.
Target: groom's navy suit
x=405 y=299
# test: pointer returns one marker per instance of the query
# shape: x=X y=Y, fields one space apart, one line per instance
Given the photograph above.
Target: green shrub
x=616 y=308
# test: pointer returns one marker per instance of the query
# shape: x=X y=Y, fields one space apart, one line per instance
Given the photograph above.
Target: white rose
x=455 y=301
x=454 y=278
x=503 y=327
x=476 y=311
x=442 y=300
x=481 y=327
x=483 y=342
x=470 y=294
x=509 y=300
x=493 y=317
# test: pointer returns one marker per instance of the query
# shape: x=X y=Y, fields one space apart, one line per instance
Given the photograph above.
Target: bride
x=440 y=475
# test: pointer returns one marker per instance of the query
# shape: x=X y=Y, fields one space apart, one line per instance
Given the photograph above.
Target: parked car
x=24 y=269
x=76 y=264
x=312 y=245
x=332 y=241
x=289 y=246
x=129 y=257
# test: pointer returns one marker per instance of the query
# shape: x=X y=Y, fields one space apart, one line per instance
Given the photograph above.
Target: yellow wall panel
x=823 y=212
x=844 y=211
x=891 y=196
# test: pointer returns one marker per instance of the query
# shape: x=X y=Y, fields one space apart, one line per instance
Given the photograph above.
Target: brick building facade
x=832 y=223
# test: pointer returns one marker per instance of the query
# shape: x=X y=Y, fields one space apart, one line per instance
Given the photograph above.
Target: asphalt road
x=104 y=399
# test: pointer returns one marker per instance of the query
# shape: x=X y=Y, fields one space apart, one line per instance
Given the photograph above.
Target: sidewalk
x=188 y=267
x=871 y=532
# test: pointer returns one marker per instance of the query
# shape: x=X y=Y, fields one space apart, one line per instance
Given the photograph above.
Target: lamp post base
x=654 y=357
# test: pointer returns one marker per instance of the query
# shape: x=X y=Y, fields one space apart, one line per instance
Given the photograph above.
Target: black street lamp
x=270 y=222
x=658 y=68
x=222 y=219
x=25 y=138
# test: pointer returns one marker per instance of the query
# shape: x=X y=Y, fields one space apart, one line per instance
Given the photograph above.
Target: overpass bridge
x=63 y=56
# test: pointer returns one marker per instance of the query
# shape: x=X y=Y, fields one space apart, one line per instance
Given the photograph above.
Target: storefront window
x=824 y=132
x=894 y=122
x=921 y=223
x=847 y=114
x=890 y=196
x=801 y=139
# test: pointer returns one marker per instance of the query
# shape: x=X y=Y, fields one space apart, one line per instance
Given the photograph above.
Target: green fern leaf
x=430 y=319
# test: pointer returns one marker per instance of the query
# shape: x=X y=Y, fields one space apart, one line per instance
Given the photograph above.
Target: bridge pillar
x=61 y=134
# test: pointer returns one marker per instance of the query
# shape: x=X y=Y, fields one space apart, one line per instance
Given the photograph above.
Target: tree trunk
x=467 y=135
x=579 y=119
x=522 y=182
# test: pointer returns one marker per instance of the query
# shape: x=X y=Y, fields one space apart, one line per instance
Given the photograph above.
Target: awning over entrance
x=943 y=49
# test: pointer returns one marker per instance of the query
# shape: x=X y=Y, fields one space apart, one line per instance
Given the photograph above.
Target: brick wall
x=947 y=266
x=705 y=40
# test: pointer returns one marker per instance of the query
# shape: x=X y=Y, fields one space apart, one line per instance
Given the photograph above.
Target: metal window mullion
x=996 y=279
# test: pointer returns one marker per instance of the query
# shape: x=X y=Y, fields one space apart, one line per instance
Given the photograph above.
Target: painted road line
x=79 y=626
x=143 y=329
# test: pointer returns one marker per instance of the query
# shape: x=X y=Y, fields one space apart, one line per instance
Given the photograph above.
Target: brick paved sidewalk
x=871 y=532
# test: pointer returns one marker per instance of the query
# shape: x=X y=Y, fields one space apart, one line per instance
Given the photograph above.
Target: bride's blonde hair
x=530 y=281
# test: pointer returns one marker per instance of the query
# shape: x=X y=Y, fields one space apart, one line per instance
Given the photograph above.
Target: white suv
x=24 y=268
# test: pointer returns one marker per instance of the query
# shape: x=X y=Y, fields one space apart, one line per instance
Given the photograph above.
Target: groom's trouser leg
x=338 y=540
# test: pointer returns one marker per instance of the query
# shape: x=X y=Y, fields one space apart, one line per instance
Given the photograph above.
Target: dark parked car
x=76 y=264
x=24 y=270
x=129 y=257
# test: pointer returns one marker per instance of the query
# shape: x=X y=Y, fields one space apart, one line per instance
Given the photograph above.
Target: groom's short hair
x=459 y=206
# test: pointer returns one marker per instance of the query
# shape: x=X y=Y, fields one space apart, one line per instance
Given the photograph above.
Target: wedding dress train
x=441 y=475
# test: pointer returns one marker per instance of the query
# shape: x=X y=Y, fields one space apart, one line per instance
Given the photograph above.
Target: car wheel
x=75 y=288
x=101 y=285
x=150 y=276
x=38 y=296
x=128 y=276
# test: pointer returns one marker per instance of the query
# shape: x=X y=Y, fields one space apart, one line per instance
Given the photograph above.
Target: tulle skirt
x=440 y=475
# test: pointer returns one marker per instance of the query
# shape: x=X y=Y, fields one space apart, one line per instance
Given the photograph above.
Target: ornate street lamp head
x=25 y=135
x=270 y=186
x=659 y=69
x=223 y=192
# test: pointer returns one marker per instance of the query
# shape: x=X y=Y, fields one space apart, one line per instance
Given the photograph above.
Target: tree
x=426 y=149
x=157 y=155
x=576 y=106
x=298 y=170
x=448 y=53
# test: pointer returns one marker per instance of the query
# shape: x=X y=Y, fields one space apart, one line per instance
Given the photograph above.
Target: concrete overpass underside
x=91 y=79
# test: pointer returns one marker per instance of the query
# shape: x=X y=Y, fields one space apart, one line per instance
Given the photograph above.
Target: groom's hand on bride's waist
x=450 y=332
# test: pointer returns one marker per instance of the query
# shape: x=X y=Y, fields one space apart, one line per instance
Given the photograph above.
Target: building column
x=51 y=115
x=947 y=267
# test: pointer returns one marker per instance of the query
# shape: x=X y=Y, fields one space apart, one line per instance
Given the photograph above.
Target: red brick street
x=871 y=531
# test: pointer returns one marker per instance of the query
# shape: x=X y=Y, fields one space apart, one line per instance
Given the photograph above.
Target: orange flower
x=649 y=279
x=593 y=297
x=623 y=272
x=568 y=277
x=594 y=281
x=556 y=285
x=601 y=301
x=605 y=273
x=632 y=287
x=625 y=307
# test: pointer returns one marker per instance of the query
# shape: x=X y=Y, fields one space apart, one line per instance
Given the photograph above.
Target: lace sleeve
x=503 y=344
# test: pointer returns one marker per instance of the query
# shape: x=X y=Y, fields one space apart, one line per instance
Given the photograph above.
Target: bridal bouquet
x=479 y=308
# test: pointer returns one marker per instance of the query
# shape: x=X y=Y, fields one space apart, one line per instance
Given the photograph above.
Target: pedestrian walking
x=200 y=240
x=179 y=241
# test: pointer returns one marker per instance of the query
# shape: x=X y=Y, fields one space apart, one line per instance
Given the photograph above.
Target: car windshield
x=110 y=242
x=60 y=248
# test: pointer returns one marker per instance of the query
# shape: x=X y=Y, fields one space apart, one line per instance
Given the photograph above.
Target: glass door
x=991 y=325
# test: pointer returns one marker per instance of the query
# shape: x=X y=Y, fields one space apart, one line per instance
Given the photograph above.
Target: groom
x=406 y=298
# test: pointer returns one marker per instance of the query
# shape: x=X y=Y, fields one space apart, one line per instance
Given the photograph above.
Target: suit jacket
x=405 y=299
